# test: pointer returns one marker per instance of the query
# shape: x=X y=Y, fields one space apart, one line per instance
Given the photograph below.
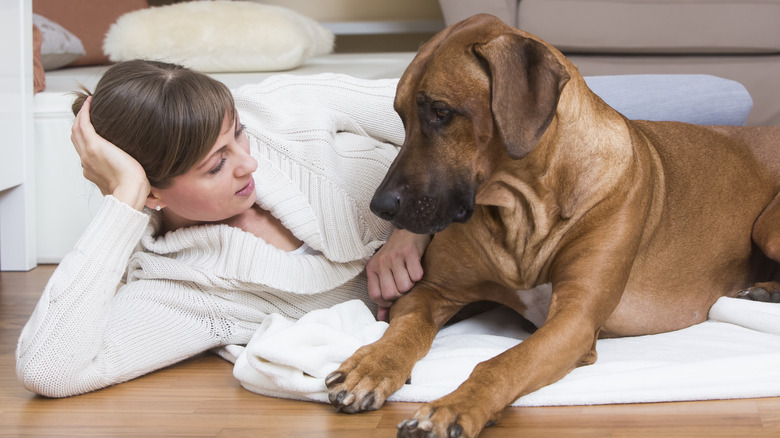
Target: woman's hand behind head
x=110 y=168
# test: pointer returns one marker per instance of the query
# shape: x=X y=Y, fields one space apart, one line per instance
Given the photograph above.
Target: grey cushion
x=700 y=99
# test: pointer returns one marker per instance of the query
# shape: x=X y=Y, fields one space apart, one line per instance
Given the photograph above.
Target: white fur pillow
x=218 y=36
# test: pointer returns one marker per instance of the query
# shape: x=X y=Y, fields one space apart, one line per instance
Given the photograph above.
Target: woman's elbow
x=43 y=380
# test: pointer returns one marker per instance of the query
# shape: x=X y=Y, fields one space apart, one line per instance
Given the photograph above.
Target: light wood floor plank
x=200 y=398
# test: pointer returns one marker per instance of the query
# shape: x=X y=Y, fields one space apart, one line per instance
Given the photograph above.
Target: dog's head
x=477 y=93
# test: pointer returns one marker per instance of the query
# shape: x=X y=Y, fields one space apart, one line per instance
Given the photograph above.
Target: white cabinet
x=17 y=211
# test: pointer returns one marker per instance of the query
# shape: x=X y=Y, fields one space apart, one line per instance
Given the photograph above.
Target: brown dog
x=639 y=226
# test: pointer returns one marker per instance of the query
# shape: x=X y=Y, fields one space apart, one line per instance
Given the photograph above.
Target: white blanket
x=735 y=354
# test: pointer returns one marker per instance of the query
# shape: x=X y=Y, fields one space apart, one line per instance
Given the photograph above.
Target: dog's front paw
x=439 y=420
x=365 y=380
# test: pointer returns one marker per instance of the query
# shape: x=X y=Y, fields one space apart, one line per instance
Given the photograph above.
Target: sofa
x=734 y=39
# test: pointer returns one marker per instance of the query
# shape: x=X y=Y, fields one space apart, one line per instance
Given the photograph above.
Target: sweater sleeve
x=84 y=334
x=369 y=102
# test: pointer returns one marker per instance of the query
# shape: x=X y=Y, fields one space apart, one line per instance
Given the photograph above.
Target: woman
x=219 y=210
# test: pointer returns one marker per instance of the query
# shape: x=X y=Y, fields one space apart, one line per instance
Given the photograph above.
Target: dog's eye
x=441 y=112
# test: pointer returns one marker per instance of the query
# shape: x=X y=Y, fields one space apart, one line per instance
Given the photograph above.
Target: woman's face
x=218 y=187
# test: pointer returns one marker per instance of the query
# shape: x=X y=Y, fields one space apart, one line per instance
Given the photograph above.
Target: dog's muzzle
x=420 y=214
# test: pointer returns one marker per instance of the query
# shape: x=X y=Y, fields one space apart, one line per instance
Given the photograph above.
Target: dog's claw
x=336 y=399
x=415 y=429
x=334 y=378
x=407 y=424
x=348 y=400
x=455 y=430
x=367 y=402
x=344 y=401
x=426 y=425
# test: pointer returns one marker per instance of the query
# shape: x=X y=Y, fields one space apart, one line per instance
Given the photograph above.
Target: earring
x=158 y=208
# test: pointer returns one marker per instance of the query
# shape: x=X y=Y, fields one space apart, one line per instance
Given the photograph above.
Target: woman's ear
x=154 y=202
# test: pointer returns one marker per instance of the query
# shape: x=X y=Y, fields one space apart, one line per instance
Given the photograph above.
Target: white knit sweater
x=323 y=144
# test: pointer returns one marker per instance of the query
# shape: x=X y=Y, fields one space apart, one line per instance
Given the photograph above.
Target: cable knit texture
x=126 y=301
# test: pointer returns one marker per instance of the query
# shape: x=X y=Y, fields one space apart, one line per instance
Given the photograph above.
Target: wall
x=354 y=10
x=363 y=10
x=421 y=19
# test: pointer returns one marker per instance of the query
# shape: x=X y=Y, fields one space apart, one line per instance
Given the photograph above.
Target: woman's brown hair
x=165 y=116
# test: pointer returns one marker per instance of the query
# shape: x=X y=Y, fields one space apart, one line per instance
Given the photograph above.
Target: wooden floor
x=200 y=398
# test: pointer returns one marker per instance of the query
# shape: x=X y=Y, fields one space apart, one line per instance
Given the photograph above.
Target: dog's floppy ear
x=527 y=82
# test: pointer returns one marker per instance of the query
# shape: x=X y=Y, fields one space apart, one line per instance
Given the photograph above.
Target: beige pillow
x=219 y=36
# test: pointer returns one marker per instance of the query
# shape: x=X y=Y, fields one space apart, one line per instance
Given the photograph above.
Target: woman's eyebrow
x=209 y=158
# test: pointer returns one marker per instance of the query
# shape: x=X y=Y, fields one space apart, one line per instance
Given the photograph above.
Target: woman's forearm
x=56 y=344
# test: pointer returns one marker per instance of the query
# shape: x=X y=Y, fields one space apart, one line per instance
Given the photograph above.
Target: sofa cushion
x=699 y=99
x=655 y=26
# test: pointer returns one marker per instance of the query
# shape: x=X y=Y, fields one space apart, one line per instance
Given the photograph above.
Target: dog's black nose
x=386 y=204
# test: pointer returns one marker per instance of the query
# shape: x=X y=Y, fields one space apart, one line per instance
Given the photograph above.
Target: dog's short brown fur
x=639 y=226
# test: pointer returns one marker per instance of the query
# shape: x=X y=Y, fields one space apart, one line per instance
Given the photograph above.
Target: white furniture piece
x=17 y=212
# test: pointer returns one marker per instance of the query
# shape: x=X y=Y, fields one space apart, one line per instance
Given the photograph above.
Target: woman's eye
x=240 y=130
x=218 y=167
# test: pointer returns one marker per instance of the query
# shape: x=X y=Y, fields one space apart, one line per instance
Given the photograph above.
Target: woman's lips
x=248 y=189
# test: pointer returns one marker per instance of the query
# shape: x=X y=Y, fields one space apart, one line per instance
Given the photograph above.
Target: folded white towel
x=291 y=359
x=735 y=354
x=750 y=314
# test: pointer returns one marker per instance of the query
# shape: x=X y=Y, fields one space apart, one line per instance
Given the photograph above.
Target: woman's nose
x=247 y=163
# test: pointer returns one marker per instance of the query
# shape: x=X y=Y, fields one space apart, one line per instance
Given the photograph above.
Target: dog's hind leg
x=766 y=230
x=766 y=235
x=768 y=292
